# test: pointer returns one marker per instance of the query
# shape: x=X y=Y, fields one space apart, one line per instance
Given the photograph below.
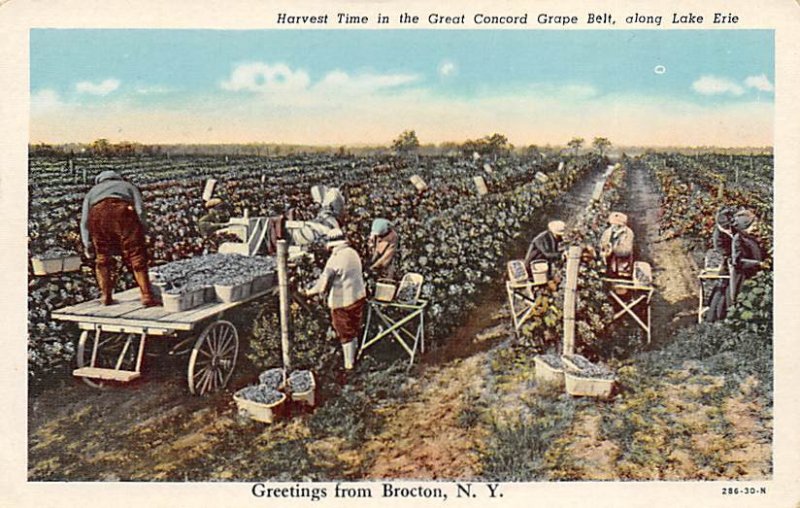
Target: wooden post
x=570 y=292
x=283 y=294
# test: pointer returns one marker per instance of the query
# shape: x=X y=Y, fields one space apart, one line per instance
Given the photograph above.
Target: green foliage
x=311 y=345
x=601 y=145
x=406 y=142
x=575 y=144
x=754 y=305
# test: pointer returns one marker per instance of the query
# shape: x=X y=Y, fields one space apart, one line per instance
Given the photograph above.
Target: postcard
x=395 y=252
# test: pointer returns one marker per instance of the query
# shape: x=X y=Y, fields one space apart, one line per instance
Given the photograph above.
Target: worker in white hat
x=343 y=280
x=546 y=246
x=616 y=246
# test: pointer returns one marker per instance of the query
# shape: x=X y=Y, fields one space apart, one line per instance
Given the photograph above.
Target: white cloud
x=760 y=82
x=261 y=77
x=363 y=83
x=105 y=87
x=712 y=85
x=153 y=90
x=45 y=100
x=447 y=68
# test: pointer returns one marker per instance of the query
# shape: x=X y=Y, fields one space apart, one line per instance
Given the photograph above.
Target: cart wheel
x=213 y=358
x=109 y=350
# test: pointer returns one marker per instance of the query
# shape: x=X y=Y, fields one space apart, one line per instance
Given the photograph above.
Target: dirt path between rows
x=431 y=436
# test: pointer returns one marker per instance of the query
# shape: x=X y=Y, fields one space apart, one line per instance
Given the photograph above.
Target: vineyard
x=471 y=408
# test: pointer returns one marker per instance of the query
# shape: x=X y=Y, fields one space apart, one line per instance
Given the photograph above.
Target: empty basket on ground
x=47 y=265
x=516 y=271
x=410 y=288
x=642 y=273
x=539 y=272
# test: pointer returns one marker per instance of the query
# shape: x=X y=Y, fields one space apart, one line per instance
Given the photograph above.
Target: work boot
x=143 y=280
x=105 y=283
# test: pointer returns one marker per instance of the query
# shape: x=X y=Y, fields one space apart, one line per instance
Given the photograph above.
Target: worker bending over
x=546 y=246
x=112 y=223
x=343 y=281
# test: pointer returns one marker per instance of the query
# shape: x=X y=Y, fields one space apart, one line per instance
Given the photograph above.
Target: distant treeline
x=104 y=148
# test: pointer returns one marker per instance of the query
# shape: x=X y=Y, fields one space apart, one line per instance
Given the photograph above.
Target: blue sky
x=364 y=86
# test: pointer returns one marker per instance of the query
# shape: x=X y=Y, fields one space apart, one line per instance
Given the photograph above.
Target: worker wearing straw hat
x=383 y=241
x=343 y=281
x=616 y=246
x=546 y=246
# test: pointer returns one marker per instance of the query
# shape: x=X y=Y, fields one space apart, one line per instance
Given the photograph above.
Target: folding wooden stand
x=522 y=300
x=640 y=296
x=407 y=329
x=707 y=277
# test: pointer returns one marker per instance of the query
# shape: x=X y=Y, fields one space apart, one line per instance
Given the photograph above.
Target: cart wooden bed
x=106 y=350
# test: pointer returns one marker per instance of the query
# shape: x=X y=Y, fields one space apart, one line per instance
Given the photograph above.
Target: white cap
x=556 y=227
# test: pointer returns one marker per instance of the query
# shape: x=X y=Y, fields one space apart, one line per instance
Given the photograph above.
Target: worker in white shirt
x=343 y=280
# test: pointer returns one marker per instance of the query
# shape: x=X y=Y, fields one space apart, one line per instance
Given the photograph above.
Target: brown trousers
x=347 y=320
x=115 y=229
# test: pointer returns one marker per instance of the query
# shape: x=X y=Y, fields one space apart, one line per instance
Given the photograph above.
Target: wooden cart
x=112 y=340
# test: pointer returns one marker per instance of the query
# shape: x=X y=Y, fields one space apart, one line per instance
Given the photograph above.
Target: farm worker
x=383 y=241
x=342 y=279
x=746 y=254
x=616 y=245
x=722 y=240
x=546 y=246
x=216 y=217
x=329 y=217
x=746 y=258
x=112 y=223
